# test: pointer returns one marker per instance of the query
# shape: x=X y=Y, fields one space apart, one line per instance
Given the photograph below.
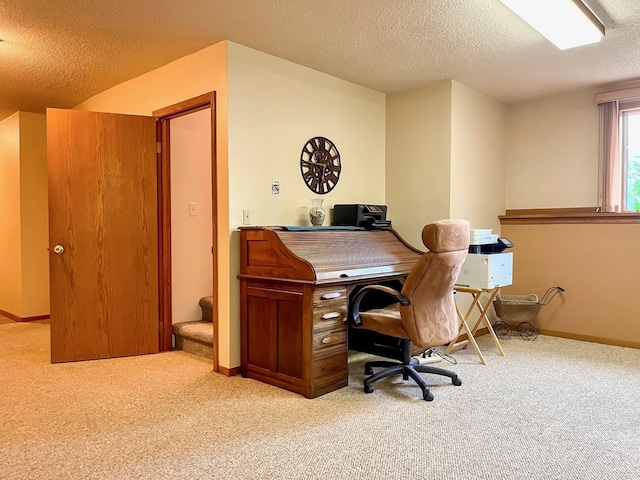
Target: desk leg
x=465 y=325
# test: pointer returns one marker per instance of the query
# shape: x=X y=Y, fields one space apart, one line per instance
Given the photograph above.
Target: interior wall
x=24 y=225
x=418 y=158
x=275 y=107
x=34 y=215
x=594 y=263
x=191 y=235
x=551 y=152
x=10 y=232
x=477 y=158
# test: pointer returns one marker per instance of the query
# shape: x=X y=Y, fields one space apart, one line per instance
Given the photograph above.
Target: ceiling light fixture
x=565 y=23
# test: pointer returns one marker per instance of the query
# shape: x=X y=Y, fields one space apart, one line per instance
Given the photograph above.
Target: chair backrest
x=431 y=318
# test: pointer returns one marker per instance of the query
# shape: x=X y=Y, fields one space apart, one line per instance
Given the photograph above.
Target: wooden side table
x=476 y=293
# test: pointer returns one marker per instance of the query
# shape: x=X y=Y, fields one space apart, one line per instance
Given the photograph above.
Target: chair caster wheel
x=428 y=396
x=456 y=381
x=368 y=389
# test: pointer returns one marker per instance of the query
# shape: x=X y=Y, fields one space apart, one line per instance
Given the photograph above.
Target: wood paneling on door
x=103 y=212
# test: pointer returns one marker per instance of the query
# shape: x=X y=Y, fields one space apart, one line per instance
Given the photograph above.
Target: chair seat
x=384 y=320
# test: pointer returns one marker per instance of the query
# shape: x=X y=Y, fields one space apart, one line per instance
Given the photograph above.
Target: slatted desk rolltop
x=295 y=286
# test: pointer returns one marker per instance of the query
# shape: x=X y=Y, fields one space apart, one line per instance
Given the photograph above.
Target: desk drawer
x=329 y=294
x=330 y=317
x=329 y=367
x=329 y=339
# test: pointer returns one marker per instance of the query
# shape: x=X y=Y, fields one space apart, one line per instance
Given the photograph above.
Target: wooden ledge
x=581 y=215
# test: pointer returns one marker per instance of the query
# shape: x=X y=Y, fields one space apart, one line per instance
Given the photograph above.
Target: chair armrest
x=355 y=304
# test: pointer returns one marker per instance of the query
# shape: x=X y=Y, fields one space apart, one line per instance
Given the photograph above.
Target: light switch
x=193 y=209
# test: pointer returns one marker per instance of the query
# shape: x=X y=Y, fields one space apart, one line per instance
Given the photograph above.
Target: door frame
x=163 y=118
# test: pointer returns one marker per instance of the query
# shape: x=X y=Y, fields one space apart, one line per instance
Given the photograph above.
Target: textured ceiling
x=57 y=53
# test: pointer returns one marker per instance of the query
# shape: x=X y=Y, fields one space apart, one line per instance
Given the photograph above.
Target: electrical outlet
x=246 y=218
x=275 y=187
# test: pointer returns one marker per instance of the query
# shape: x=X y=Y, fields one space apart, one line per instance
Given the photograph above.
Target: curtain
x=610 y=189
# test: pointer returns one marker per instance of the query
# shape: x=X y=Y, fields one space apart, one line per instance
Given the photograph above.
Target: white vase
x=316 y=212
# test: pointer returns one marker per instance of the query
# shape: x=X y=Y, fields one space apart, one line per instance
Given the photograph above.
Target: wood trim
x=229 y=372
x=16 y=318
x=580 y=215
x=186 y=107
x=589 y=338
x=572 y=336
x=164 y=235
x=163 y=116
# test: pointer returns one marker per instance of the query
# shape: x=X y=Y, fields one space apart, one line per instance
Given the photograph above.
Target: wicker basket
x=517 y=308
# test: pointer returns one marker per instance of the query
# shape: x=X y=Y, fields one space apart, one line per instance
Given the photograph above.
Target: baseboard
x=589 y=338
x=573 y=336
x=229 y=372
x=23 y=319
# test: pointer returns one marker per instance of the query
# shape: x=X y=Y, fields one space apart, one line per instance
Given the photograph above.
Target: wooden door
x=103 y=213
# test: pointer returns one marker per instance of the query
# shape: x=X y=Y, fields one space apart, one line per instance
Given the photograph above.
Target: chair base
x=412 y=369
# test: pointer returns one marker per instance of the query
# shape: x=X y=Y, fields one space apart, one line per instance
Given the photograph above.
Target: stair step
x=195 y=337
x=206 y=304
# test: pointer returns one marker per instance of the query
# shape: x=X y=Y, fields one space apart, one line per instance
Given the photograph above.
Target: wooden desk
x=476 y=294
x=295 y=286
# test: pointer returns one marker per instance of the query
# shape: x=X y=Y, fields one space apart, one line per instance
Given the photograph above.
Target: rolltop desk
x=295 y=284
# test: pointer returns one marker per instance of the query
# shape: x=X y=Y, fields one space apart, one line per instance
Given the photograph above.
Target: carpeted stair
x=197 y=337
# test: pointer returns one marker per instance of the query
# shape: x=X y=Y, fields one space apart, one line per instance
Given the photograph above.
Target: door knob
x=58 y=249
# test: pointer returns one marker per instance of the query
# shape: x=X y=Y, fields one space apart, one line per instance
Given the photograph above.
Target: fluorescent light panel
x=565 y=23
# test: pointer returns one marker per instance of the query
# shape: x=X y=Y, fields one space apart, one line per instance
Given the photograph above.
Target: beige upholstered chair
x=424 y=313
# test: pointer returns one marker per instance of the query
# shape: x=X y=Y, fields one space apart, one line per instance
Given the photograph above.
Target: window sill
x=586 y=215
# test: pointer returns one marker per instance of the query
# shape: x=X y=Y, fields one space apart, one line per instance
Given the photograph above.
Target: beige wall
x=34 y=214
x=445 y=158
x=274 y=107
x=418 y=158
x=594 y=264
x=10 y=233
x=552 y=152
x=24 y=227
x=191 y=242
x=477 y=158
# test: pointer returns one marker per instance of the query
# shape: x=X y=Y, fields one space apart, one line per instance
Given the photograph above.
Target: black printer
x=358 y=215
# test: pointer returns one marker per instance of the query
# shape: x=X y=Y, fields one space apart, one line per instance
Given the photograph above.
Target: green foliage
x=633 y=184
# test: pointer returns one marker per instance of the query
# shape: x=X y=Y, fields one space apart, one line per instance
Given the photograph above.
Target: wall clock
x=320 y=165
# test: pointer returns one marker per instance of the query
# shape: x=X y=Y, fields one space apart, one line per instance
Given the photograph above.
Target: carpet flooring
x=550 y=409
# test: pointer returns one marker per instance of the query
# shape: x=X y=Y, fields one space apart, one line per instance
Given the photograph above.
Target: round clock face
x=320 y=165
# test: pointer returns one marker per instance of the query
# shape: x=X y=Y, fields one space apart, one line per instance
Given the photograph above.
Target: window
x=630 y=161
x=620 y=154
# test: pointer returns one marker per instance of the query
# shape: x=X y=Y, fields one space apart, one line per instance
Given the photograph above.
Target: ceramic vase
x=316 y=212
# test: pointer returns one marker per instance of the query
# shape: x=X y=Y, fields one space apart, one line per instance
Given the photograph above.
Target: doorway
x=187 y=214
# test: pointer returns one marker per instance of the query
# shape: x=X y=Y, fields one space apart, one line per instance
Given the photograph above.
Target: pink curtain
x=610 y=174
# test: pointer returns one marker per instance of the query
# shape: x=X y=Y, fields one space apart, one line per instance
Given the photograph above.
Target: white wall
x=551 y=153
x=191 y=235
x=477 y=158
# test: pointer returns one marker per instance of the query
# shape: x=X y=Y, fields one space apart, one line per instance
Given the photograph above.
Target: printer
x=359 y=215
x=487 y=264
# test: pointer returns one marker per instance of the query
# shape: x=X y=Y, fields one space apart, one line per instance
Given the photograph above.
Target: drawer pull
x=330 y=315
x=331 y=339
x=331 y=365
x=330 y=295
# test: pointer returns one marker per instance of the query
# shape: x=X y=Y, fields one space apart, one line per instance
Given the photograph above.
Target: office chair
x=424 y=312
